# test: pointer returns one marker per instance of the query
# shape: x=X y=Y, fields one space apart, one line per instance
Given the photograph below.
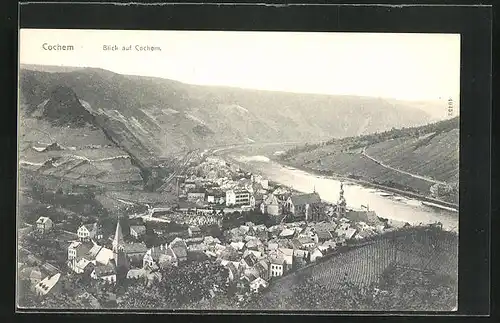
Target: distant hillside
x=167 y=117
x=415 y=159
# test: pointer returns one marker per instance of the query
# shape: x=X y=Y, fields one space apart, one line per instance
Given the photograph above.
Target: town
x=252 y=230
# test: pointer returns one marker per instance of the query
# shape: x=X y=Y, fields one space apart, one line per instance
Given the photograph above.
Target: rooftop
x=303 y=199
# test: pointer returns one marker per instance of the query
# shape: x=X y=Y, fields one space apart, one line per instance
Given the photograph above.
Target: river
x=385 y=204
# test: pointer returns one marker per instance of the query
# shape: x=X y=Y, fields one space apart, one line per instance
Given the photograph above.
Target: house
x=194 y=231
x=179 y=248
x=287 y=233
x=195 y=196
x=48 y=285
x=237 y=245
x=105 y=272
x=277 y=266
x=258 y=284
x=103 y=255
x=287 y=255
x=316 y=254
x=328 y=245
x=262 y=268
x=344 y=230
x=137 y=231
x=369 y=217
x=300 y=253
x=161 y=256
x=78 y=250
x=254 y=244
x=307 y=206
x=237 y=197
x=135 y=274
x=323 y=236
x=84 y=266
x=88 y=232
x=44 y=225
x=249 y=260
x=271 y=206
x=305 y=242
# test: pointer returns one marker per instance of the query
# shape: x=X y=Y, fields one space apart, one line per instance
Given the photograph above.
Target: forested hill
x=429 y=152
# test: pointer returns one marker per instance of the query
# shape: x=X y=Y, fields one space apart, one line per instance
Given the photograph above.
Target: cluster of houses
x=205 y=194
x=306 y=230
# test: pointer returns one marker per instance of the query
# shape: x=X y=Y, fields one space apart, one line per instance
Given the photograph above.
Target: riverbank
x=449 y=206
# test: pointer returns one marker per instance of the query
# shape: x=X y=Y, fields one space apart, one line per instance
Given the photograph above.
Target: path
x=428 y=179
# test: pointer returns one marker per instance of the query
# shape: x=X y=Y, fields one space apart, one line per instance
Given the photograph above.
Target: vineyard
x=361 y=266
x=423 y=250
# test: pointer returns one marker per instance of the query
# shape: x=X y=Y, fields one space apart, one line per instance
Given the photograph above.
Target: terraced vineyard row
x=361 y=266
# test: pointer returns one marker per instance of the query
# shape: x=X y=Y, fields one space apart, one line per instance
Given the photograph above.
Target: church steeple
x=118 y=243
x=341 y=204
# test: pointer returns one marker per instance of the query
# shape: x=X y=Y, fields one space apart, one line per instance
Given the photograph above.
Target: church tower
x=341 y=204
x=119 y=256
x=118 y=243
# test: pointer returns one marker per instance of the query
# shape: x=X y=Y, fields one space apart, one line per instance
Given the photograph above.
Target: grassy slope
x=430 y=151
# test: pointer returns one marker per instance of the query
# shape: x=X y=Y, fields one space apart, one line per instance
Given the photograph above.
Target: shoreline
x=439 y=203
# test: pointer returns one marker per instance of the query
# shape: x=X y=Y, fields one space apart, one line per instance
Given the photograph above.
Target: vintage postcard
x=219 y=170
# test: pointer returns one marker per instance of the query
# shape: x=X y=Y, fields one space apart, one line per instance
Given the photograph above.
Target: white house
x=237 y=197
x=316 y=254
x=258 y=284
x=48 y=285
x=137 y=231
x=87 y=232
x=44 y=224
x=276 y=268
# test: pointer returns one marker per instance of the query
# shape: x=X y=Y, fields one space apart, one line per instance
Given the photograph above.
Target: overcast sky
x=402 y=66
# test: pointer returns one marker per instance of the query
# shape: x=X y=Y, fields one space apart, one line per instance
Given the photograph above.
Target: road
x=428 y=179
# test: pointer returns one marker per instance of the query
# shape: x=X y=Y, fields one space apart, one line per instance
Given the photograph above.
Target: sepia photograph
x=237 y=170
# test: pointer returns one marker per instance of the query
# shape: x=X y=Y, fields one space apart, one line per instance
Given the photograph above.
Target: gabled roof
x=303 y=199
x=89 y=226
x=104 y=255
x=137 y=247
x=277 y=260
x=42 y=219
x=259 y=281
x=83 y=263
x=251 y=259
x=287 y=233
x=48 y=283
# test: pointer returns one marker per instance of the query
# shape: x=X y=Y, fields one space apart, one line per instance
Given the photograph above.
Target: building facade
x=237 y=198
